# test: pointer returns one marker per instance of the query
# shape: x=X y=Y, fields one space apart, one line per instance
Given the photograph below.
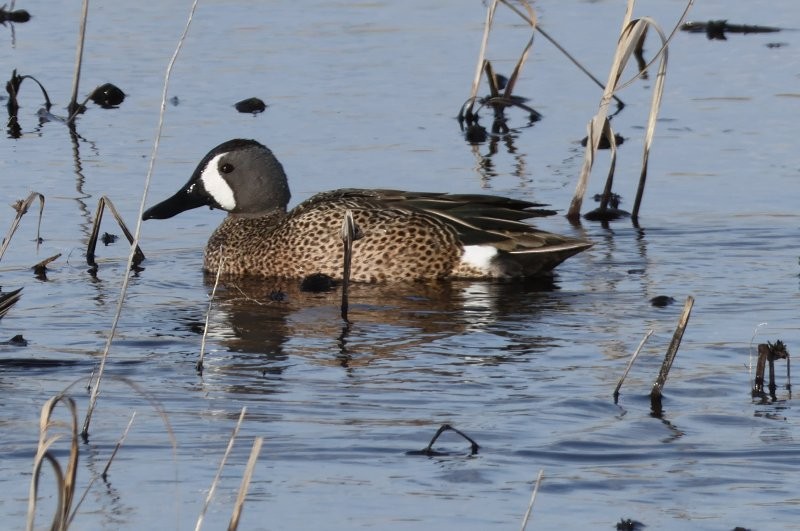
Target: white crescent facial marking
x=216 y=186
x=479 y=256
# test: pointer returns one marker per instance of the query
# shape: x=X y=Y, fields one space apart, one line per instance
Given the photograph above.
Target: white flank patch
x=216 y=186
x=479 y=256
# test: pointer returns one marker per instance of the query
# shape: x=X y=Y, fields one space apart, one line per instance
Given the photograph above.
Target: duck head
x=240 y=176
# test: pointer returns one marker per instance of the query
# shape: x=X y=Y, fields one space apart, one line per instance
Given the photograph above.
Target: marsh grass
x=21 y=207
x=51 y=431
x=91 y=246
x=599 y=127
x=74 y=108
x=496 y=100
x=135 y=243
x=64 y=477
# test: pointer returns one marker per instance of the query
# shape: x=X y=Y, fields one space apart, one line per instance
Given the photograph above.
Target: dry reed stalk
x=476 y=80
x=225 y=456
x=73 y=107
x=672 y=351
x=118 y=446
x=530 y=19
x=9 y=299
x=65 y=480
x=199 y=365
x=248 y=474
x=21 y=207
x=630 y=38
x=630 y=363
x=483 y=65
x=533 y=499
x=98 y=217
x=137 y=232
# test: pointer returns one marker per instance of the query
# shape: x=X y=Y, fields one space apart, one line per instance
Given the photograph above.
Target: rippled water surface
x=365 y=94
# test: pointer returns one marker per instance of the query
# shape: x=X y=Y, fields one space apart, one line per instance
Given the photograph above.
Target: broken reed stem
x=630 y=37
x=630 y=363
x=91 y=247
x=199 y=365
x=73 y=102
x=65 y=481
x=215 y=482
x=21 y=207
x=533 y=499
x=248 y=474
x=137 y=232
x=118 y=446
x=672 y=351
x=487 y=26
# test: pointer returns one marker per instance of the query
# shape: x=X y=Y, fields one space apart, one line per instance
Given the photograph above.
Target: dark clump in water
x=108 y=239
x=318 y=283
x=604 y=143
x=108 y=96
x=19 y=15
x=251 y=105
x=662 y=301
x=716 y=29
x=17 y=341
x=629 y=525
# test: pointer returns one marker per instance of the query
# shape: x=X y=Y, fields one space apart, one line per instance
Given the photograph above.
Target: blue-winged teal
x=406 y=235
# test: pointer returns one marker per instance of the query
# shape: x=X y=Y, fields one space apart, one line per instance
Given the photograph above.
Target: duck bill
x=189 y=197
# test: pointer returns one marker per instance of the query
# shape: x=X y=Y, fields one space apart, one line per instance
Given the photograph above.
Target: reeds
x=137 y=232
x=65 y=478
x=599 y=127
x=21 y=207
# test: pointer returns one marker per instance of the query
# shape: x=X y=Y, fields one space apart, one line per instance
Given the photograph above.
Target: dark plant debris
x=13 y=86
x=108 y=96
x=626 y=524
x=277 y=296
x=662 y=301
x=604 y=143
x=430 y=452
x=8 y=299
x=40 y=269
x=716 y=29
x=17 y=341
x=318 y=283
x=251 y=105
x=608 y=210
x=768 y=353
x=18 y=15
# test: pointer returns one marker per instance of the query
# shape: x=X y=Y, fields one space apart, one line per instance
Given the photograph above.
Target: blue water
x=365 y=94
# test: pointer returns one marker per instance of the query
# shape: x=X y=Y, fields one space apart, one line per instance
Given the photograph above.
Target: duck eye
x=226 y=168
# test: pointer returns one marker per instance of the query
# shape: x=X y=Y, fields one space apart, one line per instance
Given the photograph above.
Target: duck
x=413 y=236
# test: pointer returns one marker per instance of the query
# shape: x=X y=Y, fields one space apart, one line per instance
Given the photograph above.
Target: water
x=364 y=94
